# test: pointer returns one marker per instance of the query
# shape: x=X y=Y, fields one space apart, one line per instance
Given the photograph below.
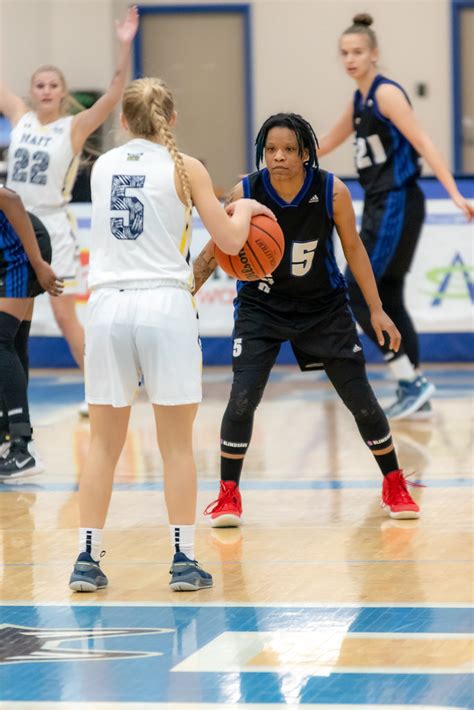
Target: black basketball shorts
x=315 y=337
x=391 y=226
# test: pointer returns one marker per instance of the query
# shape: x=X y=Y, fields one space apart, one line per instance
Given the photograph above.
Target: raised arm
x=338 y=133
x=394 y=105
x=359 y=264
x=11 y=105
x=205 y=264
x=85 y=122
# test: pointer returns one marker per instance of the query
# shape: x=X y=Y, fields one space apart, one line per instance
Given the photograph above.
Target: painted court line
x=20 y=705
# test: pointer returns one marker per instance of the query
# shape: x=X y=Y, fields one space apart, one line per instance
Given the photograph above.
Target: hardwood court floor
x=319 y=599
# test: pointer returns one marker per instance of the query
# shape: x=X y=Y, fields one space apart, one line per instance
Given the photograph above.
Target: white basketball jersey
x=41 y=164
x=140 y=233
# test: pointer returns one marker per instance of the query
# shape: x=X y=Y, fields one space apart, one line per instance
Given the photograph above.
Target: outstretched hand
x=381 y=324
x=127 y=28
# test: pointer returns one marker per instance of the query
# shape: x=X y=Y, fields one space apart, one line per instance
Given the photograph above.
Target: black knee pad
x=237 y=424
x=21 y=344
x=371 y=421
x=9 y=326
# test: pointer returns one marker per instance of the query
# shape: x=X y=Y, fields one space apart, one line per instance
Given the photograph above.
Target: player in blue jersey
x=305 y=302
x=389 y=142
x=25 y=272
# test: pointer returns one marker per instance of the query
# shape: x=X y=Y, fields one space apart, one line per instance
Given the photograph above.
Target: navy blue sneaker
x=87 y=575
x=411 y=396
x=187 y=576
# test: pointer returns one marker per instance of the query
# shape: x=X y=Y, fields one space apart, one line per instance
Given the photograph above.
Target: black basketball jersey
x=384 y=159
x=308 y=271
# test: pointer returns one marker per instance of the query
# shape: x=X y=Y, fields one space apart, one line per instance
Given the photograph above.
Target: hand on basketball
x=127 y=29
x=48 y=279
x=381 y=324
x=255 y=206
x=464 y=205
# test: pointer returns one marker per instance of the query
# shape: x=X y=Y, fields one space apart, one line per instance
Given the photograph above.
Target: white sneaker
x=83 y=410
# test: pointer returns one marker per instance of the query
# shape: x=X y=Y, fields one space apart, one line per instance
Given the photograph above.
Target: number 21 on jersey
x=369 y=151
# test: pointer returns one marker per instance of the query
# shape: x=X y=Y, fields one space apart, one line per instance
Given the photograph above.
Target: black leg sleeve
x=13 y=384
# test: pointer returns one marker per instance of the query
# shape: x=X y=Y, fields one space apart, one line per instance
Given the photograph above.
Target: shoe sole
x=82 y=586
x=405 y=515
x=35 y=471
x=430 y=390
x=228 y=520
x=188 y=586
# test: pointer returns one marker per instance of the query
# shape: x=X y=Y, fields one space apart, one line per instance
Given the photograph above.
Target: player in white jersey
x=43 y=158
x=142 y=319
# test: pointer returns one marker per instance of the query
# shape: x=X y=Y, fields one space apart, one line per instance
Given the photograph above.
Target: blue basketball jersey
x=385 y=159
x=10 y=243
x=308 y=271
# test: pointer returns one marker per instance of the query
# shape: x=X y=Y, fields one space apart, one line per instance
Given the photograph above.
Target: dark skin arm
x=205 y=264
x=12 y=206
x=359 y=264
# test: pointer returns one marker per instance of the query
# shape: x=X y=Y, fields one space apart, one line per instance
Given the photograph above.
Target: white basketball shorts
x=149 y=332
x=66 y=254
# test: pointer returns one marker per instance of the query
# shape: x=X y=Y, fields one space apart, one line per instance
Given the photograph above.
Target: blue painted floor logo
x=236 y=654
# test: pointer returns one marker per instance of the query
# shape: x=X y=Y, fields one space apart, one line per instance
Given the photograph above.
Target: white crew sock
x=182 y=539
x=402 y=369
x=90 y=540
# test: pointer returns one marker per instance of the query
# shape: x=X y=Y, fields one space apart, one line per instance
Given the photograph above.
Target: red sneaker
x=226 y=511
x=395 y=496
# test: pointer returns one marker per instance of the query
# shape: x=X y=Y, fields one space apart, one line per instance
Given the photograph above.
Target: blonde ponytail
x=148 y=107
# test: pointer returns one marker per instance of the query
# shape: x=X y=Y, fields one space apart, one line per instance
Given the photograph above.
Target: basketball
x=259 y=256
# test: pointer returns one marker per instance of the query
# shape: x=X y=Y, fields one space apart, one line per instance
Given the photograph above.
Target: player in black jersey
x=304 y=301
x=25 y=272
x=388 y=144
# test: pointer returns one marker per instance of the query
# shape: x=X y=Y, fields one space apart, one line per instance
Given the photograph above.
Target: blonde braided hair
x=148 y=107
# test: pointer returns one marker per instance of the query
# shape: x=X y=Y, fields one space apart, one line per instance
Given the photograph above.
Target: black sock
x=387 y=462
x=231 y=469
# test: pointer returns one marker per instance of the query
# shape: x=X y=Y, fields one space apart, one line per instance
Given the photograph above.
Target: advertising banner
x=439 y=288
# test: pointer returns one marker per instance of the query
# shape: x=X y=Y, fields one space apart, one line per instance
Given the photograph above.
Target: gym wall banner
x=439 y=288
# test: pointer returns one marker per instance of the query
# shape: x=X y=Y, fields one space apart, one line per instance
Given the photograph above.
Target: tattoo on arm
x=203 y=267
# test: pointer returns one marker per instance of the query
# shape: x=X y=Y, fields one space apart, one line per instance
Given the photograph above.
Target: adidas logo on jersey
x=313 y=199
x=356 y=348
